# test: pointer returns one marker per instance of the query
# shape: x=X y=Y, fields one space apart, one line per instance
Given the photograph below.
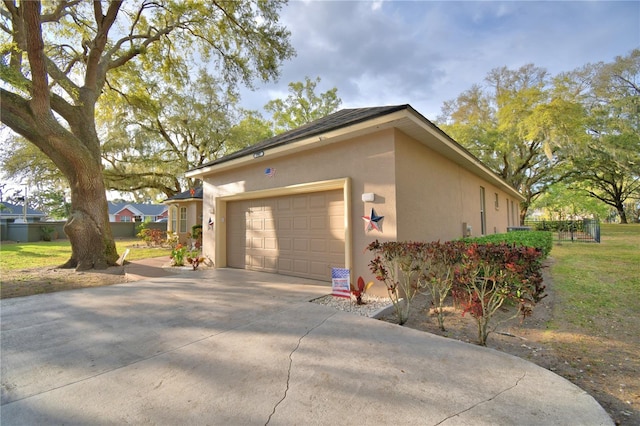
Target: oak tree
x=302 y=105
x=57 y=58
x=608 y=159
x=514 y=125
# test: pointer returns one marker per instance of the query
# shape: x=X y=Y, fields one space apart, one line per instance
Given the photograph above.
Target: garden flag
x=341 y=282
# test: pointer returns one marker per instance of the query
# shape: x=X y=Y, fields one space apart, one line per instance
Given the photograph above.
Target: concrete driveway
x=238 y=347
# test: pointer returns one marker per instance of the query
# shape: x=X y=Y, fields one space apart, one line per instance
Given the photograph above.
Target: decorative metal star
x=373 y=221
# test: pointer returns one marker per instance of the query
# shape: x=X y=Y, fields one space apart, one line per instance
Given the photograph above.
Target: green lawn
x=599 y=280
x=54 y=253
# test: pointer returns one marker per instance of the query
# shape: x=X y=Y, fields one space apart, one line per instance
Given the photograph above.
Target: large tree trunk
x=75 y=150
x=621 y=212
x=88 y=227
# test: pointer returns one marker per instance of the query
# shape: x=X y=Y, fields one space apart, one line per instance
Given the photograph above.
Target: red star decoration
x=373 y=221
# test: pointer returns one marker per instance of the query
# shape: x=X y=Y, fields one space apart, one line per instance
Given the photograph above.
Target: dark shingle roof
x=337 y=120
x=11 y=210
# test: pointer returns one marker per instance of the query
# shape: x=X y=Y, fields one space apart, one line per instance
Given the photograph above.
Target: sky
x=424 y=53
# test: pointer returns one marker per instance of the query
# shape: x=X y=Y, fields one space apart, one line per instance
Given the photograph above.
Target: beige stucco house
x=301 y=202
x=185 y=211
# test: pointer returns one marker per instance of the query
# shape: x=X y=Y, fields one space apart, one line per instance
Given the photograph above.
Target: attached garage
x=300 y=235
x=333 y=176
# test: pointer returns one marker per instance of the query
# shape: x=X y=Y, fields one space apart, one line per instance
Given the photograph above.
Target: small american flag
x=341 y=282
x=269 y=172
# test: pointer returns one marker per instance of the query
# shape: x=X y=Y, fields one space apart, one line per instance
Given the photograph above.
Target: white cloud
x=424 y=53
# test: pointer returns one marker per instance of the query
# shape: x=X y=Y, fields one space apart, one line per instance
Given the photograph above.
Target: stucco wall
x=195 y=216
x=421 y=194
x=436 y=196
x=368 y=161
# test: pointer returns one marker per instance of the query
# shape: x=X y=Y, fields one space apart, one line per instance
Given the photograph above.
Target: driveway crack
x=483 y=401
x=286 y=390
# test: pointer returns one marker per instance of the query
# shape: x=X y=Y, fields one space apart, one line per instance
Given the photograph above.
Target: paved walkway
x=237 y=347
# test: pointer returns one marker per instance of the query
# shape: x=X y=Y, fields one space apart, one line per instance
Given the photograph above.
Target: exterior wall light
x=258 y=154
x=368 y=197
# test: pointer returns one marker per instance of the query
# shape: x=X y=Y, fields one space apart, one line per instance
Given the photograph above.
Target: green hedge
x=542 y=240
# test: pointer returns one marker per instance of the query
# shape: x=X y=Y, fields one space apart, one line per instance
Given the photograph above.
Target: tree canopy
x=302 y=105
x=580 y=128
x=608 y=158
x=58 y=58
x=512 y=126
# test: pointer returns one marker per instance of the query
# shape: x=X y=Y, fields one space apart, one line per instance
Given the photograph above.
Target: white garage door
x=300 y=235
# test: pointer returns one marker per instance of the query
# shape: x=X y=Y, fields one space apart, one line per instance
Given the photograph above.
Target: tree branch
x=35 y=50
x=59 y=11
x=94 y=72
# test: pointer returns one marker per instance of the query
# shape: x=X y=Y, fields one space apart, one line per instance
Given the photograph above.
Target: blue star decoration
x=373 y=221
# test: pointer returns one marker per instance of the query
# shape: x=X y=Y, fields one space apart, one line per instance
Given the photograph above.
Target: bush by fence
x=541 y=240
x=581 y=230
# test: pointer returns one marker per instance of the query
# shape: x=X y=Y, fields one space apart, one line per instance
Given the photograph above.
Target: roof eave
x=406 y=119
x=314 y=141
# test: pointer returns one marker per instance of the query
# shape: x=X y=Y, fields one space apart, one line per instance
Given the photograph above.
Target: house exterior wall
x=125 y=213
x=194 y=208
x=437 y=196
x=366 y=162
x=421 y=194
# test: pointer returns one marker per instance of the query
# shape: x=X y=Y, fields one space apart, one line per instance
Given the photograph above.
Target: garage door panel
x=257 y=243
x=300 y=203
x=271 y=243
x=300 y=223
x=255 y=262
x=318 y=200
x=318 y=245
x=300 y=266
x=271 y=264
x=319 y=268
x=300 y=244
x=301 y=235
x=336 y=247
x=283 y=204
x=285 y=265
x=284 y=223
x=318 y=223
x=285 y=244
x=336 y=223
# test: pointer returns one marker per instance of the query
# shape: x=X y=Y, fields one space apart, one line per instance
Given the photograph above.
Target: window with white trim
x=183 y=219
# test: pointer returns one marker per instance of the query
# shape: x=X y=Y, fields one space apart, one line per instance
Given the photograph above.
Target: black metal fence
x=582 y=230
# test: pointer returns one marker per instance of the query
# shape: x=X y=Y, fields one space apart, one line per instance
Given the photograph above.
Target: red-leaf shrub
x=491 y=274
x=480 y=277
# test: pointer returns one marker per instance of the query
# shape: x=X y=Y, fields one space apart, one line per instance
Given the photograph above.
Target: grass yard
x=599 y=280
x=53 y=253
x=596 y=318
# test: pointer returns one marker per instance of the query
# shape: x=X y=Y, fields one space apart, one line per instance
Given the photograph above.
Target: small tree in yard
x=399 y=265
x=492 y=274
x=443 y=258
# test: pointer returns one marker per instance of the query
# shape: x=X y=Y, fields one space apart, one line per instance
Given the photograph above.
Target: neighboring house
x=313 y=198
x=11 y=213
x=136 y=212
x=184 y=212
